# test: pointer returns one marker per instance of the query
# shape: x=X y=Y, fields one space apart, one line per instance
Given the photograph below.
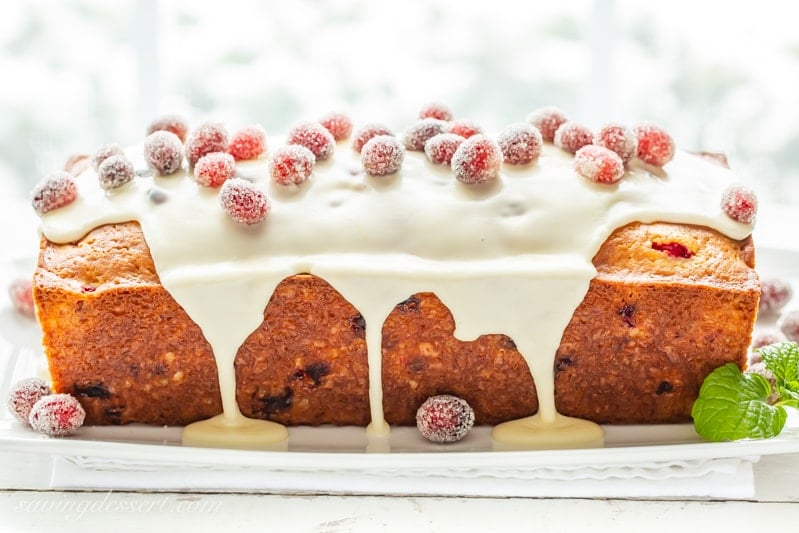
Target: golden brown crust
x=650 y=328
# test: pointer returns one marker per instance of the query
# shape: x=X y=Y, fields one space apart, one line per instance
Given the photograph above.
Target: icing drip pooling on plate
x=511 y=257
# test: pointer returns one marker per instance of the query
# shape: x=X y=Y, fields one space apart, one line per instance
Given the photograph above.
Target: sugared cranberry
x=520 y=143
x=104 y=152
x=775 y=293
x=212 y=170
x=440 y=148
x=57 y=415
x=291 y=164
x=21 y=293
x=243 y=201
x=618 y=138
x=338 y=124
x=163 y=152
x=477 y=160
x=247 y=143
x=789 y=325
x=464 y=128
x=674 y=249
x=171 y=123
x=547 y=120
x=314 y=137
x=655 y=145
x=382 y=155
x=56 y=190
x=571 y=136
x=208 y=137
x=115 y=172
x=421 y=131
x=598 y=164
x=366 y=132
x=436 y=110
x=739 y=203
x=444 y=418
x=23 y=395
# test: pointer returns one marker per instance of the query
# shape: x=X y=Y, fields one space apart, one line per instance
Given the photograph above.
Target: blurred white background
x=722 y=76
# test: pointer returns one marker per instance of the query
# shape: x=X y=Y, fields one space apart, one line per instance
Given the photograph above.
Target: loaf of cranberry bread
x=669 y=304
x=329 y=281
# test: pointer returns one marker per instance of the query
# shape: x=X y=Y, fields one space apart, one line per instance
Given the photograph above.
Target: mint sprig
x=733 y=405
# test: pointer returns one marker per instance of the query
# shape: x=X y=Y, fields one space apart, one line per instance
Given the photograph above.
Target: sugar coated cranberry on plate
x=366 y=132
x=21 y=293
x=789 y=325
x=54 y=191
x=444 y=418
x=23 y=395
x=520 y=143
x=436 y=110
x=115 y=172
x=291 y=164
x=422 y=130
x=618 y=138
x=464 y=128
x=212 y=170
x=598 y=164
x=105 y=151
x=338 y=124
x=775 y=293
x=477 y=160
x=57 y=415
x=163 y=152
x=571 y=136
x=247 y=143
x=440 y=148
x=208 y=137
x=547 y=120
x=739 y=203
x=171 y=123
x=655 y=145
x=314 y=137
x=382 y=155
x=243 y=201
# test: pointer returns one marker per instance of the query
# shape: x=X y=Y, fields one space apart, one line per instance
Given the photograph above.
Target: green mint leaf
x=788 y=397
x=782 y=360
x=732 y=405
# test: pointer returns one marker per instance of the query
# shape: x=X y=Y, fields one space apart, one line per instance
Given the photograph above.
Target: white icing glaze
x=513 y=257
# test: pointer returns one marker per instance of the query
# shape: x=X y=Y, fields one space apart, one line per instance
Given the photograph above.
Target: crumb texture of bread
x=650 y=328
